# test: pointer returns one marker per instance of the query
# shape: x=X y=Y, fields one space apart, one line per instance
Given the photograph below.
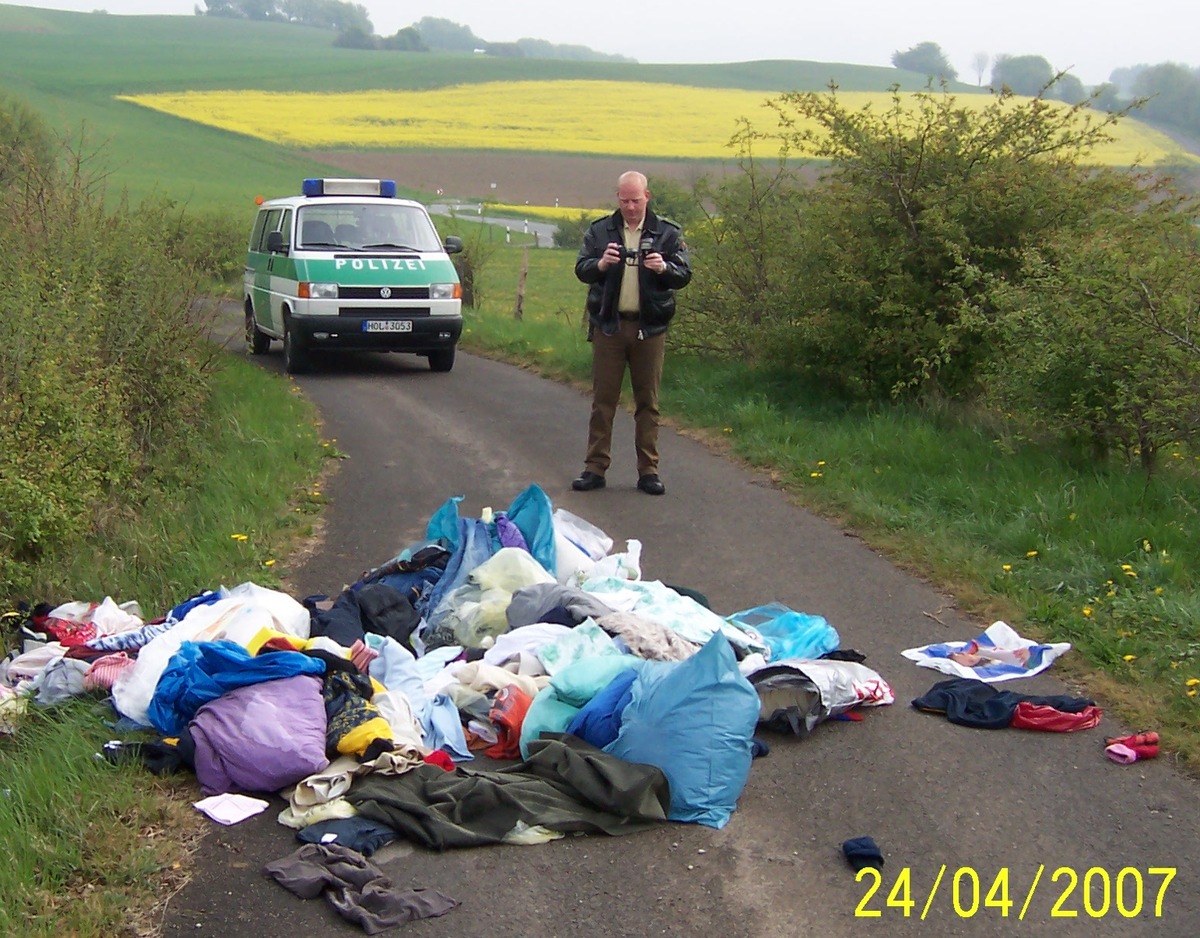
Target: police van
x=348 y=266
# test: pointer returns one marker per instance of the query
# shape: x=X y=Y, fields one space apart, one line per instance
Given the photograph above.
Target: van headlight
x=317 y=291
x=445 y=291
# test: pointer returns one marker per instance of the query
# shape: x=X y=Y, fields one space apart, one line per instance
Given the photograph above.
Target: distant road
x=543 y=231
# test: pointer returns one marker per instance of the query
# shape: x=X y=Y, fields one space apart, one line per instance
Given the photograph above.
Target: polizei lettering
x=380 y=263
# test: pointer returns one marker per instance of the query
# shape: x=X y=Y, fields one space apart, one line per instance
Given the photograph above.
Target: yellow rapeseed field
x=608 y=118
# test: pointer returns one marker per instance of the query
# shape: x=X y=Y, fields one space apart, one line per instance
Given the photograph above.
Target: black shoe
x=587 y=481
x=651 y=484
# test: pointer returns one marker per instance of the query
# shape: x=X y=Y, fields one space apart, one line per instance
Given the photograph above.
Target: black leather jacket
x=656 y=291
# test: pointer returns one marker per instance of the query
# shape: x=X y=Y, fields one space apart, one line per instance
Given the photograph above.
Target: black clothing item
x=862 y=852
x=969 y=702
x=376 y=608
x=656 y=292
x=356 y=833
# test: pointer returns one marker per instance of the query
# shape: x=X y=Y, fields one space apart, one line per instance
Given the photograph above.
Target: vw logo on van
x=385 y=293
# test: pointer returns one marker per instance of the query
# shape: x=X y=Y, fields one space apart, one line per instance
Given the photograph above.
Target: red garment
x=509 y=707
x=1030 y=716
x=441 y=759
x=69 y=633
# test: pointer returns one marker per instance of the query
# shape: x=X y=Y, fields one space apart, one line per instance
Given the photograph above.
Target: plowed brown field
x=576 y=181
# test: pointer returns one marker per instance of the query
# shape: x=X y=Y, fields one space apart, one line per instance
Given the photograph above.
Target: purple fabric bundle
x=261 y=737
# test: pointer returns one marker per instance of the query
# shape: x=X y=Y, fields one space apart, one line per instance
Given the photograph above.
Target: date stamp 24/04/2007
x=1096 y=892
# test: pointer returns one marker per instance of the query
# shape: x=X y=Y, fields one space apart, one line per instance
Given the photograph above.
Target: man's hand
x=654 y=262
x=610 y=257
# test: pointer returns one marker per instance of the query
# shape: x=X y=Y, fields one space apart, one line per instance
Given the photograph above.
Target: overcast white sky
x=1090 y=38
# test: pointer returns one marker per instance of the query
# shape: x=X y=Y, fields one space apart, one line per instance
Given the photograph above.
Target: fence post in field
x=519 y=309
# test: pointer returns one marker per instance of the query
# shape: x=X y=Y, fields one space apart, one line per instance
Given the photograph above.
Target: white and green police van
x=348 y=266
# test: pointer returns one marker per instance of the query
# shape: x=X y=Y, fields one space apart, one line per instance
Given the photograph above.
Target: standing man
x=633 y=262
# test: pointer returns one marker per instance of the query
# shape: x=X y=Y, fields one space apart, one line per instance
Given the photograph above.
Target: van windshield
x=371 y=227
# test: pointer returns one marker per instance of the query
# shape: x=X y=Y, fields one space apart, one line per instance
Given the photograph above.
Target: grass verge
x=96 y=849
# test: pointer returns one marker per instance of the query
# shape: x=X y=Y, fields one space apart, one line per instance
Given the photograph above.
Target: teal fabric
x=533 y=515
x=443 y=526
x=570 y=690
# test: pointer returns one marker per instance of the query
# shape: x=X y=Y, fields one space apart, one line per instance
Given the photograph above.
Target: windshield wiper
x=390 y=246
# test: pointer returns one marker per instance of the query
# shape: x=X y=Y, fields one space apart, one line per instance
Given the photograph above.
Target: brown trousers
x=610 y=356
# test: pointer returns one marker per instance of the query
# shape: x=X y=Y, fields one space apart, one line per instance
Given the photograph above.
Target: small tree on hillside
x=979 y=64
x=926 y=58
x=1021 y=74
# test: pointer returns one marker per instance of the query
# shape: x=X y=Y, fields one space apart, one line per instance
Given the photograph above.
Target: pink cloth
x=362 y=655
x=104 y=671
x=1121 y=754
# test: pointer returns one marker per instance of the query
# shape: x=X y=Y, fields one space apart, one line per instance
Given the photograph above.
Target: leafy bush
x=570 y=231
x=964 y=253
x=103 y=357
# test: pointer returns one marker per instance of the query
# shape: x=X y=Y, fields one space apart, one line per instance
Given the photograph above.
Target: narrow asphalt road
x=1004 y=806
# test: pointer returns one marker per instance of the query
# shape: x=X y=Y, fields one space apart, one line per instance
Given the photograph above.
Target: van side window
x=256 y=235
x=270 y=222
x=285 y=228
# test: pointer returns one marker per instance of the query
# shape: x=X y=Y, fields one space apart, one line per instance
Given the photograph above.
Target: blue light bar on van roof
x=385 y=188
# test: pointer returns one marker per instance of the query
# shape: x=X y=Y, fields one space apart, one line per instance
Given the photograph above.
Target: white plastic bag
x=624 y=566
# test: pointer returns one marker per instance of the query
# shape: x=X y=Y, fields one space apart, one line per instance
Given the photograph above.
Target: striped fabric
x=361 y=654
x=103 y=671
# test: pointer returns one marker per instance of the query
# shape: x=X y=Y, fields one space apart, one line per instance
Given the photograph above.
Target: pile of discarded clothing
x=602 y=701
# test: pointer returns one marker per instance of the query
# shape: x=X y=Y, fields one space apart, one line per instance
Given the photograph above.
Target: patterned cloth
x=103 y=671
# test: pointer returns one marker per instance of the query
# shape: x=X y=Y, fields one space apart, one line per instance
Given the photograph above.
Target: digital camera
x=645 y=247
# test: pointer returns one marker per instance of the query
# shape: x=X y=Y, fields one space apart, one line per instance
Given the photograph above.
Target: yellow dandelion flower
x=239 y=537
x=1111 y=593
x=1132 y=573
x=1174 y=665
x=728 y=429
x=820 y=462
x=1006 y=567
x=1146 y=546
x=1193 y=681
x=1031 y=553
x=1087 y=610
x=268 y=563
x=815 y=475
x=1192 y=692
x=1158 y=591
x=1126 y=566
x=1131 y=657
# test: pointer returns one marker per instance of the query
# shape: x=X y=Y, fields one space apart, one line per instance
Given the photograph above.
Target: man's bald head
x=632 y=197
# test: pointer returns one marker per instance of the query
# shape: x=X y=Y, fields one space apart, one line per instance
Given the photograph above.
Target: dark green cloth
x=565 y=785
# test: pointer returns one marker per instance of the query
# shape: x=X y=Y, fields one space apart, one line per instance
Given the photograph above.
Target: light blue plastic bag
x=789 y=634
x=694 y=719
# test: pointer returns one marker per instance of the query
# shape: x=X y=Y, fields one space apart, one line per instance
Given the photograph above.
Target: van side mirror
x=275 y=242
x=453 y=244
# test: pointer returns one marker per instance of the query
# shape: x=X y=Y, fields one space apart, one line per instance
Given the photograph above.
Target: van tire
x=257 y=341
x=295 y=356
x=442 y=360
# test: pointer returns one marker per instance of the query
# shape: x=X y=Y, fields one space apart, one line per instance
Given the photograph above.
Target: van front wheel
x=295 y=356
x=257 y=341
x=441 y=360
